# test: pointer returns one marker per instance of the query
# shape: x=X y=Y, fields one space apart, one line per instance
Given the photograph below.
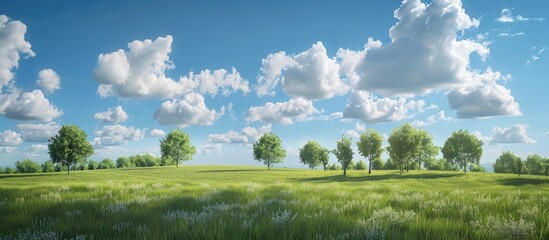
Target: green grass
x=222 y=202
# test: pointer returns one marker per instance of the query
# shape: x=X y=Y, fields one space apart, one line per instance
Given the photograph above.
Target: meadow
x=239 y=202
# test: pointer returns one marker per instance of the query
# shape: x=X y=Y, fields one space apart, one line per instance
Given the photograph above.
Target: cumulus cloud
x=48 y=80
x=484 y=98
x=436 y=118
x=508 y=17
x=190 y=110
x=212 y=82
x=112 y=115
x=210 y=148
x=140 y=73
x=356 y=131
x=310 y=74
x=12 y=37
x=479 y=136
x=157 y=133
x=10 y=138
x=515 y=134
x=116 y=135
x=425 y=53
x=365 y=106
x=296 y=109
x=30 y=106
x=38 y=148
x=246 y=135
x=37 y=132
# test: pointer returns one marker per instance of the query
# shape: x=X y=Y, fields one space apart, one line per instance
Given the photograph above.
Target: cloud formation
x=212 y=82
x=246 y=135
x=37 y=132
x=310 y=74
x=190 y=110
x=48 y=80
x=365 y=106
x=38 y=147
x=515 y=134
x=30 y=106
x=115 y=135
x=157 y=133
x=112 y=115
x=433 y=119
x=285 y=113
x=10 y=138
x=12 y=37
x=508 y=17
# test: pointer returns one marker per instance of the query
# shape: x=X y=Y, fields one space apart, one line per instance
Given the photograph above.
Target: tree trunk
x=419 y=165
x=344 y=171
x=370 y=168
x=268 y=166
x=465 y=168
x=407 y=167
x=68 y=169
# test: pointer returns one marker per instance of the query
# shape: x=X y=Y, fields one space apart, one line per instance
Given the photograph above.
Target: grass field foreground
x=233 y=202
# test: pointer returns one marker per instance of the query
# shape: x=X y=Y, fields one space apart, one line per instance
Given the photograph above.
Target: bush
x=334 y=166
x=390 y=164
x=9 y=170
x=27 y=166
x=92 y=165
x=48 y=166
x=124 y=162
x=361 y=165
x=145 y=160
x=414 y=166
x=476 y=168
x=352 y=165
x=106 y=163
x=378 y=164
x=166 y=161
x=59 y=167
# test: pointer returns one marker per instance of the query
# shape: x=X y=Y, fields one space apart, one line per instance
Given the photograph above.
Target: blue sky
x=226 y=72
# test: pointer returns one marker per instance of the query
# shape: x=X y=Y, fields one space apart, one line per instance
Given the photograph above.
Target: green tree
x=369 y=146
x=310 y=154
x=48 y=166
x=324 y=158
x=378 y=164
x=462 y=148
x=124 y=162
x=268 y=149
x=403 y=145
x=534 y=164
x=9 y=170
x=177 y=145
x=426 y=148
x=507 y=162
x=334 y=166
x=106 y=163
x=344 y=153
x=69 y=146
x=476 y=168
x=361 y=165
x=390 y=164
x=27 y=166
x=92 y=165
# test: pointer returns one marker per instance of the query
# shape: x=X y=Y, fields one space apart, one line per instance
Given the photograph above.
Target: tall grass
x=220 y=202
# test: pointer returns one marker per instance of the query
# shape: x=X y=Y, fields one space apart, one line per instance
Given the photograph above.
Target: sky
x=129 y=72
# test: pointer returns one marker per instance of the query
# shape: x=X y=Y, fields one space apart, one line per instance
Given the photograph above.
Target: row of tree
x=534 y=164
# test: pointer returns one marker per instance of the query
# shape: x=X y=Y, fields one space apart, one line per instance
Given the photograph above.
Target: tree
x=324 y=158
x=507 y=162
x=334 y=166
x=403 y=145
x=69 y=146
x=534 y=164
x=9 y=170
x=106 y=163
x=310 y=154
x=92 y=165
x=124 y=162
x=268 y=149
x=378 y=164
x=426 y=148
x=476 y=168
x=361 y=165
x=344 y=153
x=369 y=146
x=27 y=166
x=390 y=164
x=177 y=145
x=47 y=166
x=462 y=148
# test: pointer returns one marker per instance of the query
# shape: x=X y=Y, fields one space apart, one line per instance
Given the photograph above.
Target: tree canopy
x=344 y=153
x=426 y=149
x=403 y=145
x=369 y=146
x=177 y=146
x=313 y=155
x=507 y=162
x=268 y=149
x=462 y=148
x=69 y=146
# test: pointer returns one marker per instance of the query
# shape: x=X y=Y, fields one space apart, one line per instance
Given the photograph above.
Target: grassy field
x=222 y=202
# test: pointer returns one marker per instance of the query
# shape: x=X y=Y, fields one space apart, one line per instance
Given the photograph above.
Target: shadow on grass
x=342 y=178
x=522 y=181
x=25 y=175
x=233 y=170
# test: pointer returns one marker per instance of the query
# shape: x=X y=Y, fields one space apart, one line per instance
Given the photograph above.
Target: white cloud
x=112 y=115
x=37 y=132
x=48 y=80
x=210 y=148
x=115 y=135
x=509 y=34
x=485 y=98
x=355 y=133
x=190 y=110
x=30 y=106
x=12 y=37
x=310 y=74
x=246 y=135
x=332 y=116
x=7 y=149
x=479 y=136
x=296 y=109
x=38 y=148
x=10 y=138
x=515 y=134
x=508 y=17
x=157 y=133
x=367 y=107
x=536 y=56
x=140 y=73
x=425 y=53
x=211 y=82
x=439 y=117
